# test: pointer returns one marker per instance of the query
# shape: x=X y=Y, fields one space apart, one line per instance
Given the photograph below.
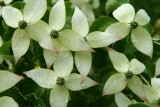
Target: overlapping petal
x=156 y=84
x=157 y=71
x=6 y=101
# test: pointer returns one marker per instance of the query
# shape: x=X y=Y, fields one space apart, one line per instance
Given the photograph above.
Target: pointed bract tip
x=103 y=94
x=145 y=99
x=109 y=49
x=96 y=83
x=25 y=72
x=83 y=78
x=15 y=60
x=20 y=77
x=90 y=49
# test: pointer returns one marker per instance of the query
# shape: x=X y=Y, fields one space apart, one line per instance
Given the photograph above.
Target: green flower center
x=54 y=34
x=22 y=24
x=134 y=24
x=60 y=81
x=2 y=3
x=158 y=101
x=129 y=75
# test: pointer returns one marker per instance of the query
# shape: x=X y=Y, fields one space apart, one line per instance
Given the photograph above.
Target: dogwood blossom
x=126 y=76
x=61 y=80
x=4 y=3
x=140 y=37
x=33 y=12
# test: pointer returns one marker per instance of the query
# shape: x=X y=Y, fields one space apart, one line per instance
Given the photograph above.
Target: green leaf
x=138 y=105
x=19 y=5
x=5 y=48
x=149 y=28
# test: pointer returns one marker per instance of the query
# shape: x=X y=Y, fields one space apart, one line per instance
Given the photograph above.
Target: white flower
x=61 y=80
x=33 y=12
x=126 y=76
x=140 y=37
x=6 y=101
x=4 y=3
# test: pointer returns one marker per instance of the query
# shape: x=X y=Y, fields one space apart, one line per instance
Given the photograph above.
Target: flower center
x=133 y=24
x=2 y=3
x=129 y=75
x=158 y=101
x=22 y=24
x=60 y=81
x=54 y=34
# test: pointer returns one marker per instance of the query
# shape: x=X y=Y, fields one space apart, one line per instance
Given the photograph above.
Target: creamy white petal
x=124 y=13
x=7 y=1
x=156 y=84
x=142 y=41
x=119 y=60
x=8 y=80
x=1 y=41
x=136 y=85
x=57 y=17
x=34 y=10
x=101 y=39
x=63 y=64
x=44 y=77
x=59 y=96
x=142 y=17
x=122 y=100
x=157 y=71
x=136 y=67
x=75 y=82
x=6 y=101
x=49 y=57
x=116 y=83
x=83 y=61
x=20 y=43
x=73 y=41
x=80 y=23
x=119 y=29
x=11 y=16
x=59 y=47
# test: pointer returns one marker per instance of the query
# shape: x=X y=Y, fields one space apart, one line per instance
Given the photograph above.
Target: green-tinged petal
x=136 y=85
x=151 y=104
x=101 y=39
x=124 y=13
x=59 y=96
x=49 y=57
x=73 y=41
x=119 y=60
x=136 y=67
x=34 y=10
x=80 y=22
x=8 y=80
x=157 y=71
x=83 y=61
x=122 y=100
x=1 y=41
x=44 y=77
x=6 y=101
x=116 y=83
x=119 y=29
x=150 y=93
x=57 y=16
x=63 y=64
x=95 y=4
x=40 y=32
x=142 y=17
x=156 y=84
x=59 y=47
x=7 y=1
x=142 y=41
x=11 y=16
x=75 y=82
x=20 y=43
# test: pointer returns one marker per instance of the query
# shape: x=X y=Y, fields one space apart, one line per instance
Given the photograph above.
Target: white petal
x=1 y=41
x=156 y=84
x=122 y=100
x=136 y=67
x=73 y=41
x=80 y=23
x=59 y=96
x=49 y=57
x=150 y=93
x=57 y=16
x=44 y=77
x=20 y=43
x=40 y=32
x=83 y=61
x=63 y=64
x=7 y=1
x=34 y=10
x=6 y=101
x=101 y=39
x=11 y=16
x=142 y=40
x=59 y=47
x=136 y=85
x=157 y=71
x=124 y=13
x=119 y=60
x=74 y=82
x=116 y=83
x=8 y=80
x=95 y=4
x=142 y=17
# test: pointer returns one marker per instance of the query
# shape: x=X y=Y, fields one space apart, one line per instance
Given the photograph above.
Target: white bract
x=128 y=20
x=33 y=12
x=126 y=76
x=61 y=80
x=4 y=3
x=6 y=101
